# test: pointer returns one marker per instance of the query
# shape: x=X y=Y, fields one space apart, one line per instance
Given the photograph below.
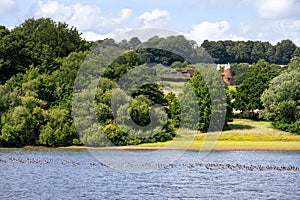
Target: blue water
x=64 y=174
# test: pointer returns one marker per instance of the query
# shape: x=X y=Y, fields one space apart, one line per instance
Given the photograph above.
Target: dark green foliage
x=204 y=102
x=139 y=110
x=168 y=50
x=120 y=66
x=239 y=72
x=174 y=109
x=153 y=91
x=201 y=90
x=247 y=97
x=284 y=51
x=153 y=55
x=217 y=50
x=250 y=52
x=282 y=100
x=36 y=42
x=40 y=59
x=3 y=31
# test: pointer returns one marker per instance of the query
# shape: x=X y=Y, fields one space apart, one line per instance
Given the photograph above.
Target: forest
x=40 y=59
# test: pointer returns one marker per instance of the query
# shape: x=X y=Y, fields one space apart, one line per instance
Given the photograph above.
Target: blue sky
x=266 y=20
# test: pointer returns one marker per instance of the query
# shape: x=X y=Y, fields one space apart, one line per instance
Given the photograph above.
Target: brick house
x=227 y=77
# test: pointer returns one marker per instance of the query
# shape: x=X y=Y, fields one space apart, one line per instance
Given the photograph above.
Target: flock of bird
x=208 y=166
x=37 y=161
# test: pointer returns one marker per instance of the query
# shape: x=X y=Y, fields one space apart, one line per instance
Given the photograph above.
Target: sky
x=264 y=20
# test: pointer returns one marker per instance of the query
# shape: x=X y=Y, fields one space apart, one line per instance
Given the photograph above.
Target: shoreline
x=156 y=148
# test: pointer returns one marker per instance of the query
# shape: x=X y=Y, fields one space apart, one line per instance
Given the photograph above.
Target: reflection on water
x=78 y=175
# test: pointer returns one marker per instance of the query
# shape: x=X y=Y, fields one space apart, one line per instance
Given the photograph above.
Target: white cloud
x=278 y=9
x=7 y=6
x=279 y=20
x=91 y=36
x=89 y=19
x=155 y=18
x=278 y=30
x=272 y=31
x=211 y=31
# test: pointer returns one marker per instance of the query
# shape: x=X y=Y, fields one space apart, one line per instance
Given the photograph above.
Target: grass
x=174 y=85
x=242 y=135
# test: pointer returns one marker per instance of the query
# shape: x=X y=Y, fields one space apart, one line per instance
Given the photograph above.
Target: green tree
x=284 y=51
x=21 y=123
x=244 y=50
x=121 y=65
x=258 y=52
x=3 y=32
x=204 y=101
x=216 y=50
x=59 y=129
x=239 y=72
x=247 y=97
x=281 y=102
x=269 y=52
x=174 y=109
x=37 y=42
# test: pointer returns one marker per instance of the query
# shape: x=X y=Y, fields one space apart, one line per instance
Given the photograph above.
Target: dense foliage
x=247 y=96
x=281 y=100
x=38 y=43
x=251 y=51
x=39 y=61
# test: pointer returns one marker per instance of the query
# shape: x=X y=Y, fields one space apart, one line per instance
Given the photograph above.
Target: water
x=64 y=174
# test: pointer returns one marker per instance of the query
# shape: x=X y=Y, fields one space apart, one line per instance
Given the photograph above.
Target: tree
x=21 y=123
x=204 y=102
x=179 y=46
x=247 y=97
x=37 y=42
x=134 y=42
x=59 y=129
x=258 y=52
x=281 y=102
x=294 y=64
x=250 y=51
x=269 y=52
x=216 y=50
x=174 y=109
x=296 y=52
x=3 y=32
x=239 y=72
x=284 y=51
x=121 y=65
x=244 y=50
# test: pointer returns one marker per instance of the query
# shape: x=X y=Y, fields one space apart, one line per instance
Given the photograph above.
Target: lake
x=71 y=174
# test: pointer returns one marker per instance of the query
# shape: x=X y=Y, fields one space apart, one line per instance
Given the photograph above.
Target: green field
x=242 y=135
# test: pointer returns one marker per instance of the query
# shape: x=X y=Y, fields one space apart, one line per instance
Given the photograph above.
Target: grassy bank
x=242 y=135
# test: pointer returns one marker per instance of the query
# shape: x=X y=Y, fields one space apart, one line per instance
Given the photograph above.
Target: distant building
x=227 y=77
x=184 y=73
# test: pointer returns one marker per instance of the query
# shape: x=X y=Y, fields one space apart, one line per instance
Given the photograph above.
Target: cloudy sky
x=266 y=20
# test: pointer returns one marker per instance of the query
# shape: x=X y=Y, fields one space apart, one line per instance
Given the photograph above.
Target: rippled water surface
x=53 y=174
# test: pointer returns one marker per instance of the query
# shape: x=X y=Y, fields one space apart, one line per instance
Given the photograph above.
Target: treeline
x=251 y=51
x=39 y=62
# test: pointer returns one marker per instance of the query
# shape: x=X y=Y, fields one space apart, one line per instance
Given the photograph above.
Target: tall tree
x=37 y=42
x=247 y=97
x=282 y=101
x=284 y=51
x=204 y=102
